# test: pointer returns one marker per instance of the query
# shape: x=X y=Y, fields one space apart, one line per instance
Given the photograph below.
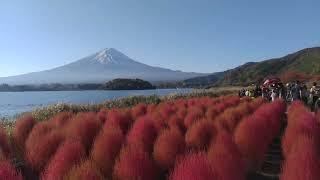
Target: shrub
x=182 y=112
x=60 y=119
x=151 y=108
x=200 y=134
x=254 y=134
x=295 y=111
x=4 y=144
x=102 y=115
x=158 y=121
x=134 y=164
x=68 y=154
x=174 y=122
x=86 y=170
x=166 y=111
x=211 y=113
x=8 y=171
x=169 y=144
x=38 y=131
x=138 y=110
x=193 y=167
x=143 y=131
x=40 y=153
x=226 y=158
x=85 y=126
x=303 y=162
x=306 y=125
x=21 y=131
x=106 y=148
x=194 y=114
x=121 y=118
x=229 y=119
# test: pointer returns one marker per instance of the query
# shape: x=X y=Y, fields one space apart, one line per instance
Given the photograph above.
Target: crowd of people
x=274 y=89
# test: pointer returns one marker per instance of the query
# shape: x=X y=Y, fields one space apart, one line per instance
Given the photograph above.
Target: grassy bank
x=45 y=113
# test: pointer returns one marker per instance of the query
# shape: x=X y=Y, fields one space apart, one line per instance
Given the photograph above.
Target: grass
x=45 y=113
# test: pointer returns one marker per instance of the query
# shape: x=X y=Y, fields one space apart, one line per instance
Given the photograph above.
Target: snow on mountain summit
x=110 y=55
x=105 y=57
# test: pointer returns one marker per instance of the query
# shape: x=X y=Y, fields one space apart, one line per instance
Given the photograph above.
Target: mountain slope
x=100 y=67
x=306 y=61
x=203 y=80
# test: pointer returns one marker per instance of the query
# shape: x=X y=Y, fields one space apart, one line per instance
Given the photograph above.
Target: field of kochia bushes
x=222 y=138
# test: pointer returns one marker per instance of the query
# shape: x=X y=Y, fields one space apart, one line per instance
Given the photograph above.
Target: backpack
x=316 y=90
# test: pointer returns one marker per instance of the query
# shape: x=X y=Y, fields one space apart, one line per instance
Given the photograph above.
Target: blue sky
x=189 y=35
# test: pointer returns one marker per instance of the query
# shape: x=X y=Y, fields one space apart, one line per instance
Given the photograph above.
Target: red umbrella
x=270 y=81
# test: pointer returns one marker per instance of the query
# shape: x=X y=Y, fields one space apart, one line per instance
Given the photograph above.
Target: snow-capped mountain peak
x=99 y=67
x=106 y=56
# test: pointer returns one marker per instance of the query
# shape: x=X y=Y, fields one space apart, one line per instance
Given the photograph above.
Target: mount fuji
x=100 y=67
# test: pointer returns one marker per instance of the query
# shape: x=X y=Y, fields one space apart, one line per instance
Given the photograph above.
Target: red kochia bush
x=106 y=148
x=143 y=131
x=254 y=134
x=38 y=131
x=158 y=121
x=8 y=171
x=151 y=108
x=182 y=112
x=166 y=110
x=226 y=158
x=102 y=115
x=138 y=110
x=306 y=125
x=194 y=114
x=68 y=154
x=4 y=144
x=295 y=111
x=134 y=164
x=200 y=134
x=211 y=113
x=119 y=117
x=21 y=131
x=169 y=144
x=86 y=170
x=174 y=122
x=40 y=153
x=193 y=167
x=60 y=119
x=303 y=162
x=84 y=127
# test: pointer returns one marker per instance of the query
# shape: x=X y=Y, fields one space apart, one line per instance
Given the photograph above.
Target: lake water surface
x=12 y=103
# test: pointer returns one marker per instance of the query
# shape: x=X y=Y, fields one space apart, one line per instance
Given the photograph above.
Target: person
x=265 y=93
x=282 y=91
x=296 y=91
x=304 y=94
x=314 y=95
x=250 y=93
x=274 y=94
x=257 y=91
x=288 y=92
x=242 y=92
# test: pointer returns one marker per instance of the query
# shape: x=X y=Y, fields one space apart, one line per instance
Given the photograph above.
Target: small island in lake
x=128 y=84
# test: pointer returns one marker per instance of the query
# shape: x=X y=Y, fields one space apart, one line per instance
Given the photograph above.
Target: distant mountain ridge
x=100 y=67
x=305 y=62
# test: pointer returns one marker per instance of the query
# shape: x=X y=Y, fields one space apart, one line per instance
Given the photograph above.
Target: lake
x=12 y=103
